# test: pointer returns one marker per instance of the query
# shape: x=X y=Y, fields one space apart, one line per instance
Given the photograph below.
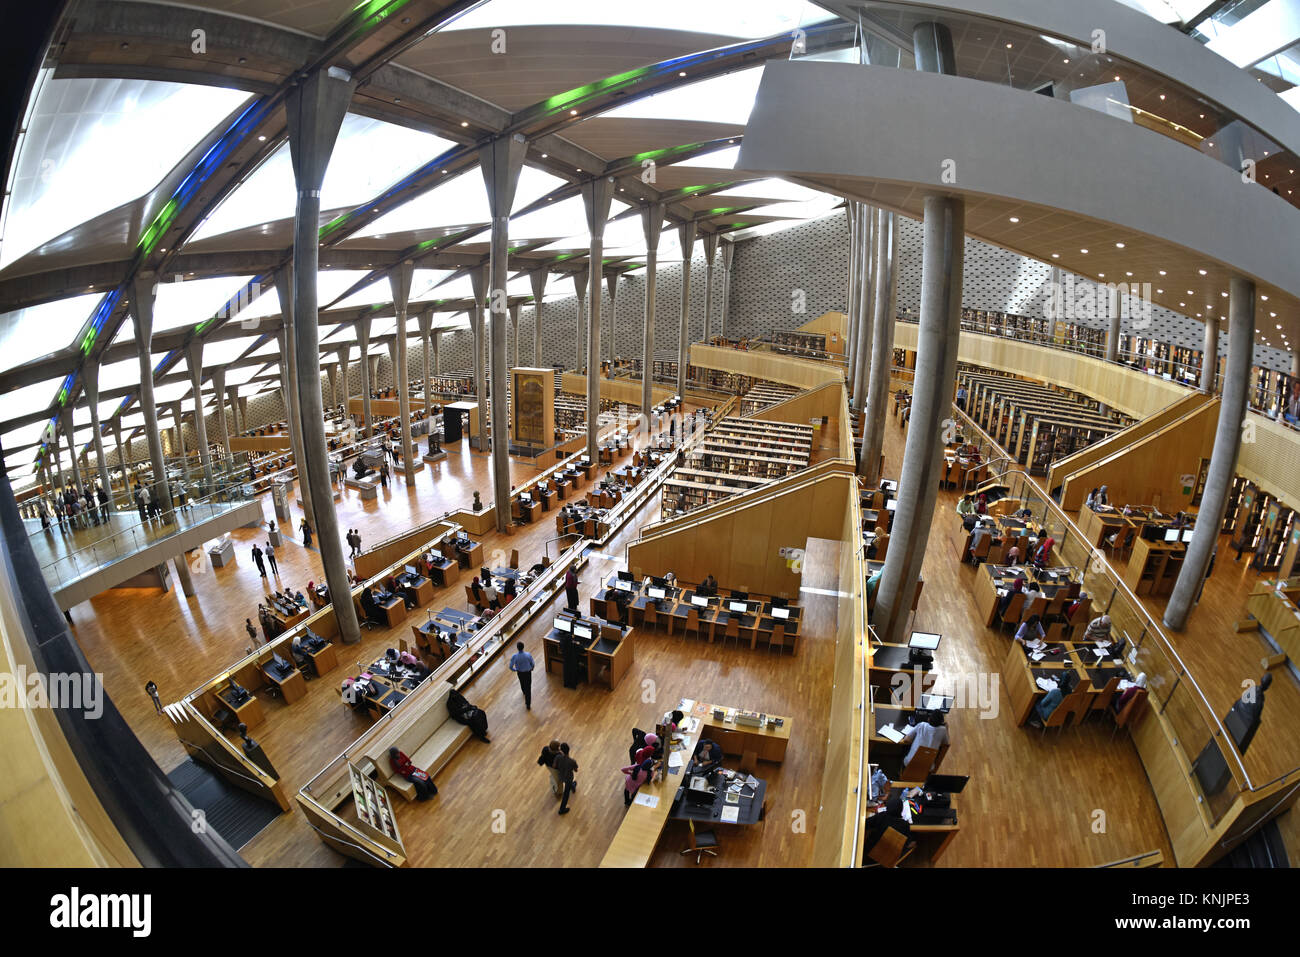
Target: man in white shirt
x=927 y=734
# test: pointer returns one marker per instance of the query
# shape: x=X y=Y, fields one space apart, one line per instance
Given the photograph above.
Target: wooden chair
x=749 y=763
x=650 y=617
x=475 y=603
x=1058 y=718
x=778 y=640
x=732 y=630
x=1130 y=711
x=514 y=558
x=980 y=552
x=997 y=553
x=1015 y=607
x=692 y=623
x=889 y=850
x=1039 y=607
x=1101 y=701
x=918 y=769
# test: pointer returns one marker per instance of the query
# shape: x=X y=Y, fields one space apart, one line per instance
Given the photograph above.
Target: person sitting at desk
x=300 y=599
x=1091 y=500
x=476 y=589
x=1016 y=588
x=1052 y=700
x=635 y=775
x=976 y=536
x=424 y=786
x=1044 y=553
x=708 y=756
x=966 y=505
x=982 y=504
x=878 y=543
x=1098 y=629
x=709 y=587
x=1103 y=498
x=1032 y=594
x=510 y=590
x=927 y=734
x=873 y=583
x=890 y=817
x=490 y=595
x=1025 y=513
x=1030 y=630
x=621 y=601
x=1013 y=554
x=369 y=606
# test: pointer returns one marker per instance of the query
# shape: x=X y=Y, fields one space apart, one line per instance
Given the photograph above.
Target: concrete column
x=69 y=432
x=596 y=197
x=853 y=213
x=90 y=383
x=344 y=353
x=194 y=359
x=1114 y=315
x=710 y=253
x=288 y=395
x=435 y=343
x=728 y=254
x=232 y=393
x=608 y=335
x=183 y=575
x=514 y=334
x=581 y=280
x=501 y=161
x=178 y=413
x=425 y=322
x=121 y=449
x=219 y=389
x=883 y=313
x=1223 y=459
x=315 y=110
x=479 y=281
x=687 y=234
x=537 y=278
x=936 y=370
x=367 y=383
x=400 y=281
x=243 y=410
x=1210 y=355
x=872 y=226
x=652 y=222
x=142 y=299
x=392 y=364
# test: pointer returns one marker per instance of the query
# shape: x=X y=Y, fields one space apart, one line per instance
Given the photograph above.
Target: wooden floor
x=1032 y=800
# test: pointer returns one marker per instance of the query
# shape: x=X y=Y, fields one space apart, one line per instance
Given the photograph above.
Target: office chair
x=732 y=630
x=890 y=850
x=918 y=769
x=692 y=623
x=702 y=842
x=778 y=640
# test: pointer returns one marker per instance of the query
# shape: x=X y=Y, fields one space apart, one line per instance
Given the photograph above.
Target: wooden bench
x=429 y=740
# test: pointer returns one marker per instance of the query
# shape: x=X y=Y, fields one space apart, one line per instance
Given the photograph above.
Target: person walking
x=257 y=560
x=356 y=540
x=521 y=663
x=103 y=501
x=547 y=760
x=571 y=588
x=252 y=632
x=306 y=533
x=565 y=767
x=151 y=690
x=383 y=474
x=270 y=557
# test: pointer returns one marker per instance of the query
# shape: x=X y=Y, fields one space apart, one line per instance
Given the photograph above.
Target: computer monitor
x=563 y=624
x=741 y=595
x=621 y=585
x=410 y=570
x=656 y=592
x=947 y=783
x=280 y=662
x=582 y=631
x=936 y=702
x=1171 y=534
x=779 y=602
x=1187 y=535
x=626 y=576
x=699 y=601
x=780 y=612
x=892 y=505
x=739 y=607
x=526 y=499
x=925 y=641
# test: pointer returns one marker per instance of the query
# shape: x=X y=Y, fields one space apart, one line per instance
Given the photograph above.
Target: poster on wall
x=530 y=411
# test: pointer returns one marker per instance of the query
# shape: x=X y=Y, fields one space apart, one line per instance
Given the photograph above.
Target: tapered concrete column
x=392 y=364
x=69 y=433
x=90 y=383
x=400 y=281
x=871 y=225
x=315 y=110
x=710 y=253
x=686 y=231
x=183 y=575
x=344 y=353
x=243 y=410
x=501 y=161
x=219 y=389
x=1223 y=459
x=435 y=343
x=883 y=312
x=652 y=222
x=479 y=279
x=607 y=337
x=232 y=393
x=596 y=197
x=537 y=278
x=853 y=212
x=121 y=449
x=936 y=370
x=581 y=280
x=142 y=301
x=1210 y=355
x=728 y=256
x=178 y=414
x=288 y=394
x=425 y=322
x=331 y=379
x=367 y=381
x=194 y=359
x=1114 y=314
x=374 y=370
x=514 y=334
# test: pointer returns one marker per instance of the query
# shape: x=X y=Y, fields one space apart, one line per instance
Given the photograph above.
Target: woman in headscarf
x=1044 y=553
x=1016 y=588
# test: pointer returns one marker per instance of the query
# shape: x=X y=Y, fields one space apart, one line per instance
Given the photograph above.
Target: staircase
x=234 y=814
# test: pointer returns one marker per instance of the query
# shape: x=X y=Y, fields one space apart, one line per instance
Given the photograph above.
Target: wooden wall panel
x=804 y=373
x=828 y=400
x=625 y=390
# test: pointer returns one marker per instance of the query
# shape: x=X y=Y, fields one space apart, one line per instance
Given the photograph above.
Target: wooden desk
x=420 y=592
x=1154 y=566
x=472 y=556
x=293 y=687
x=890 y=660
x=324 y=660
x=446 y=573
x=394 y=610
x=249 y=713
x=1277 y=613
x=769 y=742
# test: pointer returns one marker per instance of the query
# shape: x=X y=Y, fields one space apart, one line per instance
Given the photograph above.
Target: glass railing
x=114 y=541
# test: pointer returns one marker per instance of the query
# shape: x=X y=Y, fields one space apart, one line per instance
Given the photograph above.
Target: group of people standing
x=71 y=507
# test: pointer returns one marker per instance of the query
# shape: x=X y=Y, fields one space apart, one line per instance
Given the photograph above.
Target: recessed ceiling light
x=1201 y=271
x=1181 y=305
x=1264 y=298
x=1162 y=272
x=543 y=156
x=1056 y=255
x=464 y=122
x=1224 y=295
x=1084 y=251
x=1160 y=292
x=1008 y=46
x=1015 y=219
x=1119 y=245
x=1128 y=274
x=1272 y=315
x=261 y=139
x=1190 y=293
x=573 y=112
x=1065 y=61
x=682 y=73
x=1162 y=96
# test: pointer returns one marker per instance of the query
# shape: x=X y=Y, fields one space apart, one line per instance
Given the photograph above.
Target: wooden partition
x=1152 y=468
x=372 y=562
x=828 y=401
x=790 y=370
x=1113 y=443
x=259 y=443
x=740 y=543
x=834 y=326
x=623 y=389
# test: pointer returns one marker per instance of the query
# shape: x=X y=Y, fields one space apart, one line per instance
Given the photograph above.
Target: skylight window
x=723 y=99
x=743 y=19
x=36 y=331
